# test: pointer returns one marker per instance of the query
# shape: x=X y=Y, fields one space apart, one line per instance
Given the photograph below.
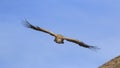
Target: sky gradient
x=95 y=22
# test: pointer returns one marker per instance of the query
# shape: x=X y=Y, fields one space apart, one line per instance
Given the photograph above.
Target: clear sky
x=96 y=22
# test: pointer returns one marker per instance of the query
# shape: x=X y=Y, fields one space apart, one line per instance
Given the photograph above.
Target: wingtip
x=93 y=48
x=26 y=23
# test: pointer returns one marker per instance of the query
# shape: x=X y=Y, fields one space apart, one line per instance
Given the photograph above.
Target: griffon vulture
x=58 y=37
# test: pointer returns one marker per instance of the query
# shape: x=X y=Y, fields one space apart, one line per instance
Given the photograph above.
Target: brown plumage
x=58 y=37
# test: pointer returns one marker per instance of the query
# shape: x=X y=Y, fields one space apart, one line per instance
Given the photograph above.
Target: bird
x=58 y=38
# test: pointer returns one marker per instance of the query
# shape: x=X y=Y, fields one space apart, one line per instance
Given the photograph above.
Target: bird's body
x=58 y=37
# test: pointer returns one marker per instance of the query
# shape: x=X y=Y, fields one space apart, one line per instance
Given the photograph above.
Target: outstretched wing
x=27 y=24
x=81 y=43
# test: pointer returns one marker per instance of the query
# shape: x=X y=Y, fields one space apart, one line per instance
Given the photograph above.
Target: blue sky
x=96 y=22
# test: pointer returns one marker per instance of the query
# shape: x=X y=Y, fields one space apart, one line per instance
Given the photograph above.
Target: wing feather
x=81 y=43
x=27 y=24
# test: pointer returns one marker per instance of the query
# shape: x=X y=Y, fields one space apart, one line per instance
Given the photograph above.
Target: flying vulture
x=58 y=37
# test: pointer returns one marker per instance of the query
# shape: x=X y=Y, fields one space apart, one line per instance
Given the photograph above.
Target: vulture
x=58 y=37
